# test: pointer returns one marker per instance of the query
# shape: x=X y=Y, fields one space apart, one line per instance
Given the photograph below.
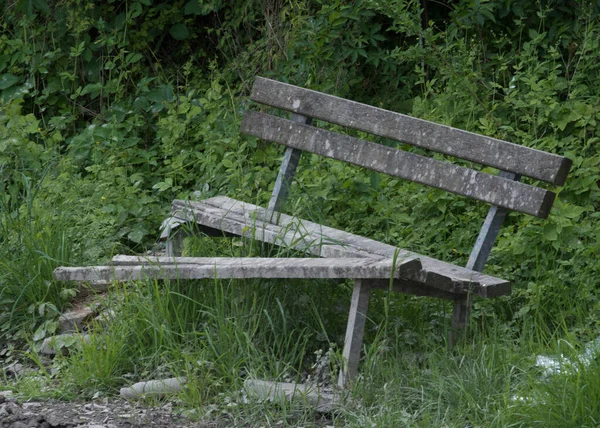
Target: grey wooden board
x=420 y=169
x=355 y=328
x=289 y=163
x=287 y=170
x=489 y=231
x=422 y=133
x=294 y=267
x=242 y=219
x=290 y=234
x=125 y=268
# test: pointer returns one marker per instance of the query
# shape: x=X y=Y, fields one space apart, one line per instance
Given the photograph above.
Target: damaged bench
x=333 y=253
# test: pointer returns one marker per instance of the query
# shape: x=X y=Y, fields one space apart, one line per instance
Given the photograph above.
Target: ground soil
x=114 y=413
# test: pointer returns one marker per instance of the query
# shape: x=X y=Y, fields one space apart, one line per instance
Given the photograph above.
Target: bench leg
x=174 y=246
x=460 y=318
x=354 y=332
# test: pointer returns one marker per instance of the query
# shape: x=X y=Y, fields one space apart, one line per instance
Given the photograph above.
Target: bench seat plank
x=409 y=166
x=126 y=268
x=418 y=132
x=244 y=219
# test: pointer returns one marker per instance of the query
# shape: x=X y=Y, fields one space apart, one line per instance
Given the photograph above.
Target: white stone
x=154 y=387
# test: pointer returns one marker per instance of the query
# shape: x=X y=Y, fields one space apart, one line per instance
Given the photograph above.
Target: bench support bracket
x=354 y=332
x=287 y=170
x=479 y=255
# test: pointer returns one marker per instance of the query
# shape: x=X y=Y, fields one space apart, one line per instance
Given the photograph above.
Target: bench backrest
x=496 y=190
x=503 y=191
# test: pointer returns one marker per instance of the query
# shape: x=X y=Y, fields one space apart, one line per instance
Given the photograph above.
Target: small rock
x=62 y=343
x=325 y=401
x=106 y=316
x=8 y=409
x=154 y=387
x=75 y=320
x=27 y=406
x=14 y=369
x=4 y=395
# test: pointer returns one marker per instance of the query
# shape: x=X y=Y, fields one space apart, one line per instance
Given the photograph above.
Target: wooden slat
x=355 y=328
x=287 y=170
x=420 y=169
x=127 y=268
x=243 y=219
x=288 y=234
x=342 y=267
x=422 y=133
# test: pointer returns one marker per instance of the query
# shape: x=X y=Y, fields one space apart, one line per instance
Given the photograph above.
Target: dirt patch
x=98 y=414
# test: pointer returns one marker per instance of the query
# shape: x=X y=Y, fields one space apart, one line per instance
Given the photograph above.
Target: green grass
x=33 y=243
x=218 y=333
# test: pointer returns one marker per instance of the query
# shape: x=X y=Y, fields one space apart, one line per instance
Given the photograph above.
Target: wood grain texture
x=418 y=132
x=126 y=268
x=489 y=231
x=287 y=170
x=242 y=219
x=355 y=328
x=409 y=166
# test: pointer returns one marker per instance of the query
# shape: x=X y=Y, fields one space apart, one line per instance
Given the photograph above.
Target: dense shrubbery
x=109 y=110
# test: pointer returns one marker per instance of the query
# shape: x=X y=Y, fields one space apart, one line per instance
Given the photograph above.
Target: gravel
x=103 y=413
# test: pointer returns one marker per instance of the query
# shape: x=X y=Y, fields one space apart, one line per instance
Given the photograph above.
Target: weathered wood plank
x=133 y=268
x=420 y=169
x=340 y=267
x=240 y=218
x=244 y=223
x=418 y=132
x=289 y=163
x=477 y=259
x=489 y=231
x=460 y=318
x=222 y=207
x=324 y=401
x=355 y=328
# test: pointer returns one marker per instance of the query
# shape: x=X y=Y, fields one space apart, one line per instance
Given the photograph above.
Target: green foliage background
x=109 y=110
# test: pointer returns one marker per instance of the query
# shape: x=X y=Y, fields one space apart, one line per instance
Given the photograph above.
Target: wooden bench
x=370 y=263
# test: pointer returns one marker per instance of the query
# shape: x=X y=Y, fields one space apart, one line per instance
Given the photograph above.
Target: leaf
x=7 y=80
x=161 y=186
x=136 y=235
x=40 y=333
x=193 y=8
x=572 y=211
x=136 y=10
x=132 y=58
x=42 y=5
x=25 y=6
x=550 y=233
x=179 y=32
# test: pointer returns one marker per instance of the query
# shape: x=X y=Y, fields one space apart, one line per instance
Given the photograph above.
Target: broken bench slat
x=343 y=267
x=126 y=268
x=418 y=132
x=293 y=236
x=242 y=219
x=463 y=181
